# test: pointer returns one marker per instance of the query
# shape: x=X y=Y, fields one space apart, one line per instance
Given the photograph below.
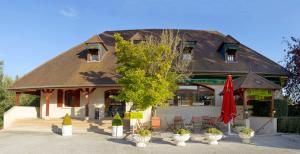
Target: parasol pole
x=229 y=127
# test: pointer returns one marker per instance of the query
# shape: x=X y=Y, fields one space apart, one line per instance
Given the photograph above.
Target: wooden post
x=272 y=109
x=245 y=106
x=48 y=93
x=87 y=92
x=17 y=103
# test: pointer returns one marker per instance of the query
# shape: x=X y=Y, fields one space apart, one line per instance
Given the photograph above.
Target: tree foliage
x=150 y=70
x=292 y=64
x=7 y=97
x=1 y=70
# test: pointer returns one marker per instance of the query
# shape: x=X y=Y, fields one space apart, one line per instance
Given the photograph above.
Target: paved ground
x=30 y=142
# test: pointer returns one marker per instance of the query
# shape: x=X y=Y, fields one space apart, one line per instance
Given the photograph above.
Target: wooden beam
x=245 y=106
x=48 y=93
x=272 y=108
x=18 y=94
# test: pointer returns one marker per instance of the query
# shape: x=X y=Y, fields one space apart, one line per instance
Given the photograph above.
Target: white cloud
x=69 y=12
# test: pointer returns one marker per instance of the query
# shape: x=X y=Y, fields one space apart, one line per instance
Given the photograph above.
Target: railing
x=19 y=112
x=263 y=126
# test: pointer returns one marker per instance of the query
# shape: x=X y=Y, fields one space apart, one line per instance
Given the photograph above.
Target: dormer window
x=229 y=51
x=187 y=49
x=137 y=41
x=93 y=55
x=231 y=55
x=95 y=52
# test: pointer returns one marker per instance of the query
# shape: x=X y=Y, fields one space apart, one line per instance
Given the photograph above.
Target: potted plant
x=67 y=126
x=246 y=134
x=142 y=137
x=213 y=135
x=181 y=136
x=117 y=126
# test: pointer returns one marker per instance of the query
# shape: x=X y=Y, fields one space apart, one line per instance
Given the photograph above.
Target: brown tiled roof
x=70 y=69
x=253 y=81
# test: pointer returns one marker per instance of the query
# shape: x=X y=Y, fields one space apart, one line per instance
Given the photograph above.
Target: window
x=137 y=41
x=193 y=95
x=231 y=55
x=72 y=98
x=187 y=53
x=95 y=51
x=187 y=47
x=93 y=55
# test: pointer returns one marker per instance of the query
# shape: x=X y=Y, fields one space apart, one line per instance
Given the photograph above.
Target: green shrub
x=238 y=125
x=67 y=120
x=288 y=124
x=214 y=131
x=144 y=132
x=246 y=131
x=117 y=121
x=281 y=107
x=182 y=131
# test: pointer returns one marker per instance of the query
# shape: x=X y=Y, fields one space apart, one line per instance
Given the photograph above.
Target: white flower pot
x=246 y=138
x=213 y=139
x=141 y=141
x=67 y=130
x=117 y=131
x=181 y=139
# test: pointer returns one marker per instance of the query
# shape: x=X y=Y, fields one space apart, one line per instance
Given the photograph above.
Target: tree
x=292 y=64
x=1 y=70
x=150 y=70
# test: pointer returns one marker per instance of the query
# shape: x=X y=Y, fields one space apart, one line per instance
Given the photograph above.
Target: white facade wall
x=19 y=112
x=96 y=100
x=218 y=89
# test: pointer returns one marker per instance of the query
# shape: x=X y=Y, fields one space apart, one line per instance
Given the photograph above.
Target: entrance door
x=111 y=105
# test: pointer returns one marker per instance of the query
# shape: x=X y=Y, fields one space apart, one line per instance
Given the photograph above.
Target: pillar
x=48 y=93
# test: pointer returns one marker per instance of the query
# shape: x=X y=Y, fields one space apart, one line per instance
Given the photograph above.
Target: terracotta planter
x=155 y=122
x=181 y=139
x=117 y=131
x=67 y=130
x=212 y=138
x=141 y=141
x=245 y=137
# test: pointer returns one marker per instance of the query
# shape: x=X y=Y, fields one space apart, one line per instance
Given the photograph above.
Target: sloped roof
x=253 y=81
x=70 y=69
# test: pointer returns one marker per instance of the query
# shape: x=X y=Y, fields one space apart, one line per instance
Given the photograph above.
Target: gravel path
x=31 y=142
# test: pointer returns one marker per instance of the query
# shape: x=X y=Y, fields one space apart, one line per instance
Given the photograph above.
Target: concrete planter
x=67 y=130
x=181 y=139
x=212 y=138
x=117 y=131
x=141 y=141
x=246 y=138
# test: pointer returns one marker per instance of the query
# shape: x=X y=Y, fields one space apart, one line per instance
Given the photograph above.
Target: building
x=82 y=80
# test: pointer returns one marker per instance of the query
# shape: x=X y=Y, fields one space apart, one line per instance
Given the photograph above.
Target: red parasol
x=228 y=111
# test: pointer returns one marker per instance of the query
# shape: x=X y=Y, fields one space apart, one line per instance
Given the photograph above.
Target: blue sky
x=32 y=32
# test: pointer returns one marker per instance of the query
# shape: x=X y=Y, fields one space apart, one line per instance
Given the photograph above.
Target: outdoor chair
x=178 y=122
x=196 y=123
x=211 y=122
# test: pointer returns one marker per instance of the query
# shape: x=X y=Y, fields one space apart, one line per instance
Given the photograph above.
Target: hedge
x=288 y=124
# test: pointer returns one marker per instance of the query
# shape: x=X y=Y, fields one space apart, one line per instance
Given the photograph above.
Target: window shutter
x=77 y=98
x=59 y=98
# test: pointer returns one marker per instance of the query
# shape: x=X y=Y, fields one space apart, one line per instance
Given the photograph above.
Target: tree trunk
x=153 y=111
